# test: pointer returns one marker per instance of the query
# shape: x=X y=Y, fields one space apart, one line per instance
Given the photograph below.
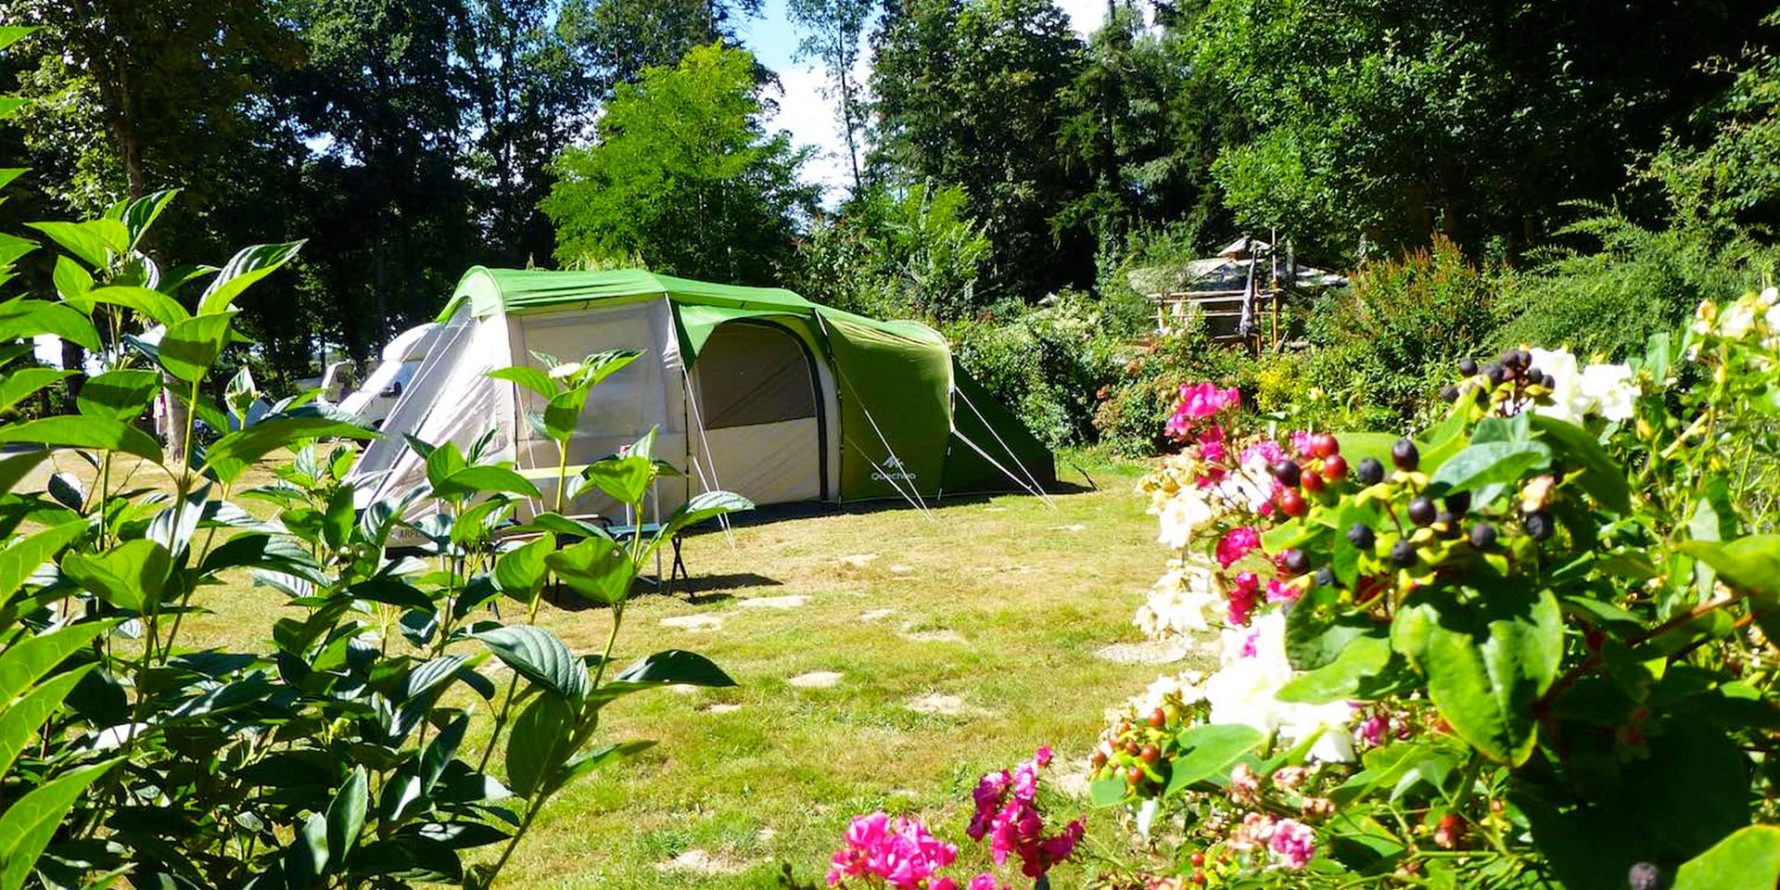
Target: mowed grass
x=999 y=603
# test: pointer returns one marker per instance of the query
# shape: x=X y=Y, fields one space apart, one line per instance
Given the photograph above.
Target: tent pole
x=888 y=476
x=721 y=520
x=1004 y=470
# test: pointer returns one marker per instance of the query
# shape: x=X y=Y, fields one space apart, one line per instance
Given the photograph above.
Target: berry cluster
x=1135 y=751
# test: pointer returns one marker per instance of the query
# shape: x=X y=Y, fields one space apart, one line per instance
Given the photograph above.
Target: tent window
x=752 y=374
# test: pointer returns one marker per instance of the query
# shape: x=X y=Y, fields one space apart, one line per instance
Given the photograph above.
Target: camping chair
x=627 y=528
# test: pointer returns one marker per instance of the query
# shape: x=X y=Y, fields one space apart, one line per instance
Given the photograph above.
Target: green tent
x=753 y=390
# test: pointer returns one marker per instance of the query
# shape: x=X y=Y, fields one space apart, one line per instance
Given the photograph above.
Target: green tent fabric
x=910 y=423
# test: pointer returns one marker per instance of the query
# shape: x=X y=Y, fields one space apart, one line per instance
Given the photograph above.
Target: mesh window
x=752 y=374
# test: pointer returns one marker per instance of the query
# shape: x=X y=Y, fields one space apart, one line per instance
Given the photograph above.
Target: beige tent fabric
x=768 y=463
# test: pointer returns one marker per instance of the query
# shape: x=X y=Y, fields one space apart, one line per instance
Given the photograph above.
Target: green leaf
x=118 y=395
x=538 y=742
x=129 y=576
x=13 y=248
x=19 y=561
x=484 y=479
x=1363 y=658
x=306 y=859
x=531 y=378
x=84 y=432
x=191 y=347
x=94 y=241
x=346 y=814
x=1107 y=792
x=1601 y=477
x=1749 y=857
x=20 y=722
x=1487 y=662
x=597 y=569
x=142 y=213
x=625 y=478
x=537 y=655
x=702 y=506
x=12 y=34
x=150 y=303
x=247 y=267
x=1210 y=750
x=521 y=572
x=563 y=413
x=29 y=659
x=15 y=468
x=592 y=760
x=72 y=281
x=22 y=319
x=32 y=820
x=19 y=384
x=676 y=666
x=1750 y=564
x=235 y=452
x=1489 y=463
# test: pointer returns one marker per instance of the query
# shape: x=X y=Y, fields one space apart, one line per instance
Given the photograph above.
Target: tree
x=834 y=35
x=684 y=178
x=967 y=94
x=625 y=37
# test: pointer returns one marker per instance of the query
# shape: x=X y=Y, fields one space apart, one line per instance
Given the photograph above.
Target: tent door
x=761 y=413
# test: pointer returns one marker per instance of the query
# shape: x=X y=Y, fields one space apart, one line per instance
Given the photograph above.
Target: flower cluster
x=1007 y=813
x=1197 y=403
x=899 y=853
x=1752 y=317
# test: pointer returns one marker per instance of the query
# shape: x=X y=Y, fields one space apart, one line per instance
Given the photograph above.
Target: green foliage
x=1146 y=387
x=684 y=177
x=1048 y=363
x=899 y=252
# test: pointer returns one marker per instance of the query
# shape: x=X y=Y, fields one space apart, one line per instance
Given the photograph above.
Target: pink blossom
x=1263 y=452
x=903 y=854
x=1372 y=730
x=1211 y=445
x=1242 y=599
x=1294 y=841
x=1301 y=442
x=1204 y=400
x=984 y=881
x=1236 y=544
x=1251 y=644
x=1007 y=814
x=1281 y=592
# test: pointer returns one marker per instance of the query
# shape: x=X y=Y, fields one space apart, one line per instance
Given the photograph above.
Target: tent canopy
x=833 y=405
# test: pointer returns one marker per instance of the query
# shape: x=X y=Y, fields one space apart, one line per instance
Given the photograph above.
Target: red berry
x=1334 y=468
x=1198 y=859
x=1150 y=754
x=1134 y=776
x=1290 y=502
x=1324 y=445
x=1099 y=759
x=1131 y=747
x=1158 y=719
x=1199 y=877
x=1312 y=482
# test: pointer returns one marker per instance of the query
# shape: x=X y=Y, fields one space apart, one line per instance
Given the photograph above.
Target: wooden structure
x=1239 y=294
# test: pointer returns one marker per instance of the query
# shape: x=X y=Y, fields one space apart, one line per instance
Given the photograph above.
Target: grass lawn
x=989 y=616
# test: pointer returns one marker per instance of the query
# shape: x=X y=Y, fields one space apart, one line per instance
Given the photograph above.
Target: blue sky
x=806 y=113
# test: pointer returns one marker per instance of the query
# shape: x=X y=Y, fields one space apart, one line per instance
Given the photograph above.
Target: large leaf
x=597 y=569
x=142 y=213
x=131 y=575
x=306 y=858
x=676 y=666
x=151 y=303
x=32 y=820
x=191 y=347
x=20 y=722
x=14 y=468
x=118 y=395
x=19 y=561
x=1489 y=463
x=521 y=572
x=1601 y=477
x=540 y=657
x=27 y=661
x=72 y=281
x=1208 y=751
x=23 y=319
x=83 y=432
x=625 y=478
x=539 y=743
x=236 y=451
x=531 y=378
x=563 y=413
x=94 y=241
x=1749 y=857
x=701 y=507
x=22 y=382
x=1751 y=565
x=1346 y=677
x=247 y=267
x=1487 y=662
x=483 y=480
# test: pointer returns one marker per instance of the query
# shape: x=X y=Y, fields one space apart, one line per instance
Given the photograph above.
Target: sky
x=807 y=114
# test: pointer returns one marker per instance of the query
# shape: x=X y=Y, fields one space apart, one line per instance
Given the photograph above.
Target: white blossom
x=1611 y=391
x=1245 y=690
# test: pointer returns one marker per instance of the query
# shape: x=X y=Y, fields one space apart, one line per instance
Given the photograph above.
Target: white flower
x=1246 y=691
x=1178 y=601
x=1183 y=515
x=1568 y=402
x=1611 y=391
x=1738 y=320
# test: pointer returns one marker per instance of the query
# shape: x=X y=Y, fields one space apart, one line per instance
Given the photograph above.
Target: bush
x=905 y=252
x=1133 y=407
x=1047 y=363
x=1400 y=325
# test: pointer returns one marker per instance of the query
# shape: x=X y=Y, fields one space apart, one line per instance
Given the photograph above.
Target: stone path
x=773 y=602
x=693 y=622
x=816 y=680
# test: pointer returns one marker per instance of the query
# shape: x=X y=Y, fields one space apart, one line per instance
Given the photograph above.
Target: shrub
x=1133 y=406
x=1048 y=363
x=906 y=252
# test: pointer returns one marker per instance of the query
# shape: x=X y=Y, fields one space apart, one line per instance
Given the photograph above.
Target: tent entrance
x=761 y=408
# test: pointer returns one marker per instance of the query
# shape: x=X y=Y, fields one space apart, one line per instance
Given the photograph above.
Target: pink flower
x=1242 y=599
x=1007 y=814
x=1280 y=592
x=984 y=881
x=1294 y=841
x=903 y=854
x=1263 y=452
x=1236 y=544
x=1372 y=730
x=1211 y=445
x=1204 y=400
x=1301 y=442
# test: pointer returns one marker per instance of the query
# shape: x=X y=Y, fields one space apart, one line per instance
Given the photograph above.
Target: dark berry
x=1496 y=374
x=1312 y=482
x=1468 y=367
x=1294 y=562
x=1446 y=520
x=1539 y=525
x=1287 y=472
x=1644 y=876
x=1449 y=393
x=1403 y=553
x=1361 y=536
x=1511 y=359
x=1523 y=359
x=1459 y=502
x=1536 y=377
x=1370 y=472
x=1149 y=754
x=1291 y=502
x=1325 y=577
x=1334 y=467
x=1422 y=511
x=1405 y=455
x=1483 y=536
